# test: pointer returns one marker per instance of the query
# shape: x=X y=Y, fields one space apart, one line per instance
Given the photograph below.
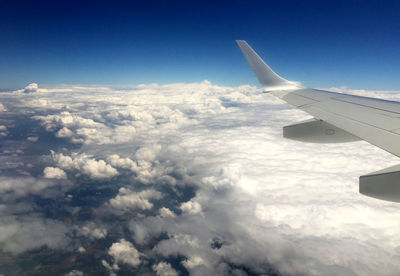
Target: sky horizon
x=321 y=44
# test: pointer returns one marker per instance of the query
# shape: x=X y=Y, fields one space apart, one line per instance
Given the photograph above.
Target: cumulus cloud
x=51 y=172
x=31 y=88
x=64 y=133
x=129 y=200
x=193 y=262
x=110 y=268
x=96 y=169
x=191 y=207
x=165 y=213
x=147 y=153
x=164 y=269
x=76 y=128
x=92 y=231
x=120 y=162
x=125 y=253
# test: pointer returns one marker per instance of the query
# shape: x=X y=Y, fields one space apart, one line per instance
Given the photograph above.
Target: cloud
x=191 y=207
x=164 y=269
x=74 y=273
x=165 y=213
x=32 y=139
x=51 y=172
x=96 y=169
x=31 y=88
x=147 y=153
x=3 y=131
x=77 y=128
x=12 y=188
x=111 y=268
x=124 y=252
x=193 y=262
x=92 y=231
x=64 y=133
x=2 y=108
x=29 y=232
x=129 y=200
x=119 y=162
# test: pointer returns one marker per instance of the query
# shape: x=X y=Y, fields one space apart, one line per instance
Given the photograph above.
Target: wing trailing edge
x=383 y=184
x=317 y=131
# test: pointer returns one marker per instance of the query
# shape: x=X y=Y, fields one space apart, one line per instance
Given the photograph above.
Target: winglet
x=268 y=78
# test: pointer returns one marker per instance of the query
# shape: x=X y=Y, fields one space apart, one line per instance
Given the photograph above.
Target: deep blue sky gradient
x=320 y=43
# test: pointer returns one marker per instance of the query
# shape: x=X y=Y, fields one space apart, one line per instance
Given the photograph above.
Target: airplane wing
x=339 y=118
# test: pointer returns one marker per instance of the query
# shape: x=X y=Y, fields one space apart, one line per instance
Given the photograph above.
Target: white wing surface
x=339 y=118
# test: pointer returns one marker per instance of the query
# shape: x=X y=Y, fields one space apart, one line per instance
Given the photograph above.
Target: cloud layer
x=185 y=178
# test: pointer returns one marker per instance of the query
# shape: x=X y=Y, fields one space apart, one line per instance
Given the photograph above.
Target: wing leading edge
x=340 y=118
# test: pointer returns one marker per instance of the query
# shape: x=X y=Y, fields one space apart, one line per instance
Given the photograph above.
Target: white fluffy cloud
x=165 y=213
x=125 y=163
x=31 y=88
x=96 y=169
x=191 y=207
x=92 y=231
x=164 y=269
x=124 y=252
x=51 y=172
x=129 y=200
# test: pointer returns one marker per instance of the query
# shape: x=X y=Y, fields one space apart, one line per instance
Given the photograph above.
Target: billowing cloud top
x=33 y=87
x=183 y=178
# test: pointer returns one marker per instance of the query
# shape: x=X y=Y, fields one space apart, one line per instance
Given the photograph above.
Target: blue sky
x=320 y=43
